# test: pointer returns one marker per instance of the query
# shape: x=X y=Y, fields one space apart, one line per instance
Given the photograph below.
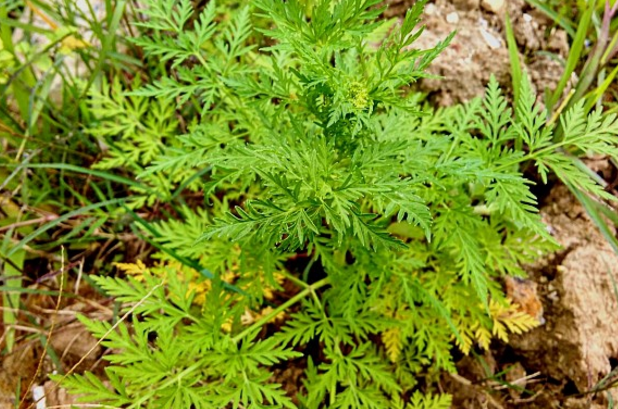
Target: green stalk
x=574 y=55
x=25 y=79
x=259 y=323
x=11 y=299
x=514 y=59
x=595 y=95
x=591 y=67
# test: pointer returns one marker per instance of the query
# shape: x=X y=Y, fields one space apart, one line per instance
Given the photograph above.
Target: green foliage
x=311 y=147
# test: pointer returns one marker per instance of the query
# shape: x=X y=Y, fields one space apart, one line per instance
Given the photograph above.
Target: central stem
x=308 y=290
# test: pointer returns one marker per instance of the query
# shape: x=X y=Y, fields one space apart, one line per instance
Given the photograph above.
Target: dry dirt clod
x=558 y=42
x=493 y=6
x=516 y=376
x=524 y=293
x=466 y=65
x=74 y=339
x=545 y=73
x=581 y=336
x=17 y=367
x=528 y=32
x=55 y=396
x=479 y=48
x=466 y=4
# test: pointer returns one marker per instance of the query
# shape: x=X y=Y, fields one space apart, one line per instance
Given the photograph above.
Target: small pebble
x=452 y=18
x=494 y=6
x=491 y=40
x=553 y=296
x=38 y=395
x=430 y=9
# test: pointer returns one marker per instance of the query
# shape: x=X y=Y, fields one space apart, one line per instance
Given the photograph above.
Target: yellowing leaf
x=137 y=269
x=393 y=342
x=72 y=43
x=200 y=290
x=506 y=318
x=483 y=336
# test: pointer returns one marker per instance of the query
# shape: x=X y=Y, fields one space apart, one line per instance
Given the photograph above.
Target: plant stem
x=540 y=152
x=308 y=290
x=287 y=275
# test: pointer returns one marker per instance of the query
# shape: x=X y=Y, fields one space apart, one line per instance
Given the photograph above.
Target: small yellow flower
x=200 y=290
x=359 y=96
x=227 y=326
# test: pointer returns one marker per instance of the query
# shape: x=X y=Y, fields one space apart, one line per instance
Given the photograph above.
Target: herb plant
x=348 y=229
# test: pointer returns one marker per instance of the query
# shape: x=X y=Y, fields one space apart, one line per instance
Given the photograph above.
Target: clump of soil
x=479 y=49
x=558 y=364
x=15 y=370
x=24 y=370
x=579 y=342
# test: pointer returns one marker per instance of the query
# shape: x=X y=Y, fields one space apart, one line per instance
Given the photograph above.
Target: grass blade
x=595 y=95
x=59 y=220
x=575 y=54
x=108 y=41
x=104 y=175
x=11 y=300
x=516 y=71
x=562 y=21
x=592 y=208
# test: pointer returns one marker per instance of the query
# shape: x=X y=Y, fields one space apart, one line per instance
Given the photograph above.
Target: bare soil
x=558 y=364
x=554 y=366
x=479 y=49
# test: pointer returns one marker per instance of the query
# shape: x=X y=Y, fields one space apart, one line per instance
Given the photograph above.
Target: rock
x=490 y=39
x=452 y=18
x=430 y=9
x=580 y=339
x=476 y=52
x=493 y=6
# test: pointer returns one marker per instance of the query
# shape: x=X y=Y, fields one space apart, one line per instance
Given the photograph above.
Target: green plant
x=51 y=53
x=596 y=21
x=394 y=222
x=594 y=82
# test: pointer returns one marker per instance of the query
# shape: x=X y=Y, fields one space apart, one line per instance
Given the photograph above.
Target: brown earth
x=554 y=366
x=560 y=362
x=578 y=344
x=479 y=49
